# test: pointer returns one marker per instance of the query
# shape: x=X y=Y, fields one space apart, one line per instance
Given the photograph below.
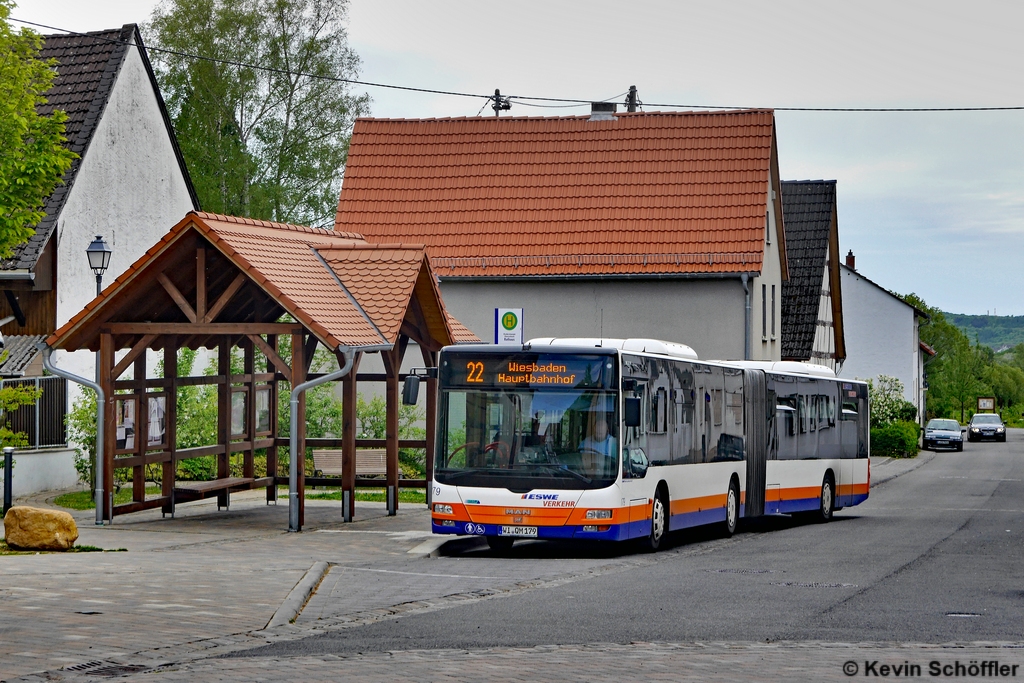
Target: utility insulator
x=632 y=100
x=500 y=103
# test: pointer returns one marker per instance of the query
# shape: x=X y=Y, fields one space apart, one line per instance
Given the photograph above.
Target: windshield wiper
x=456 y=474
x=556 y=470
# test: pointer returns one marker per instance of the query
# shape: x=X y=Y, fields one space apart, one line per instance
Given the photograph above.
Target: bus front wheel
x=659 y=523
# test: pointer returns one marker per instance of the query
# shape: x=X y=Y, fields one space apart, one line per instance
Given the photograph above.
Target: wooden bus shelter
x=232 y=283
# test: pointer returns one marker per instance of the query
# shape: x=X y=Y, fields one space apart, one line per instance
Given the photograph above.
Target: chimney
x=602 y=111
x=851 y=261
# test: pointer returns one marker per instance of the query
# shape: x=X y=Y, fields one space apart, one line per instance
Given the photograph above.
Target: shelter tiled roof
x=654 y=193
x=808 y=207
x=87 y=68
x=322 y=278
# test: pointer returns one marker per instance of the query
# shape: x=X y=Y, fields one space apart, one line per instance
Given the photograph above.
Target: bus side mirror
x=411 y=390
x=632 y=411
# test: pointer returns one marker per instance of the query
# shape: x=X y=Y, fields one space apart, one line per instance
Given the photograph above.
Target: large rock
x=38 y=529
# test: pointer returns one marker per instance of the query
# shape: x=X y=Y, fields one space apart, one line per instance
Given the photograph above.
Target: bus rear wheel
x=732 y=510
x=827 y=501
x=500 y=543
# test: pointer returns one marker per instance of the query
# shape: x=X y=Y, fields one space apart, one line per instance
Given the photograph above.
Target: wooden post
x=171 y=417
x=430 y=360
x=349 y=398
x=110 y=422
x=224 y=416
x=298 y=377
x=272 y=451
x=141 y=429
x=249 y=350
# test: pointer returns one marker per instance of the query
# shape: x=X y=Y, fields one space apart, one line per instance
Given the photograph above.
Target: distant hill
x=996 y=331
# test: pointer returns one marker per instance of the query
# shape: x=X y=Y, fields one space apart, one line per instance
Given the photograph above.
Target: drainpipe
x=746 y=317
x=100 y=403
x=293 y=437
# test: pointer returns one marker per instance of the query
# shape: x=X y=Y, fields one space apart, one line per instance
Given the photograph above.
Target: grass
x=83 y=500
x=8 y=550
x=374 y=495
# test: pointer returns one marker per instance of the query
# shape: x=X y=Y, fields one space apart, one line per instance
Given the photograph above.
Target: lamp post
x=99 y=258
x=98 y=254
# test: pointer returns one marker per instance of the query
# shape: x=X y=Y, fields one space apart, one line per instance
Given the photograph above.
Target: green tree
x=34 y=157
x=267 y=142
x=961 y=374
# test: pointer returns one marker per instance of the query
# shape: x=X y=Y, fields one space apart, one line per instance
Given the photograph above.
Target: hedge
x=895 y=440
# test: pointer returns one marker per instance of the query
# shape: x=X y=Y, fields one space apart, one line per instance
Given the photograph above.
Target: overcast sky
x=929 y=202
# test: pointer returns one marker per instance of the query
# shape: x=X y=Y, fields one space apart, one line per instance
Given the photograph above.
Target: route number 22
x=474 y=371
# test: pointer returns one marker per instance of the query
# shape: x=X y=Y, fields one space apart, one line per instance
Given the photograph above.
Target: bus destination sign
x=527 y=370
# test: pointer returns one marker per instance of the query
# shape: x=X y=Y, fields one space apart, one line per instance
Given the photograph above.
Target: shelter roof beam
x=136 y=351
x=225 y=298
x=272 y=356
x=175 y=294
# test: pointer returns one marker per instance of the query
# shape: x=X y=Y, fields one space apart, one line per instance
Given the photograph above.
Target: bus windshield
x=524 y=439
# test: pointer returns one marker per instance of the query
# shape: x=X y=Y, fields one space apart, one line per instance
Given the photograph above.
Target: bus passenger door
x=635 y=490
x=848 y=448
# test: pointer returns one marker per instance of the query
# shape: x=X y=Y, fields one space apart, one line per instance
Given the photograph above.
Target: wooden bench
x=198 y=490
x=369 y=462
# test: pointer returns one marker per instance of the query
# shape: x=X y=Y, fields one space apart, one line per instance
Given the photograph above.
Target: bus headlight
x=442 y=509
x=599 y=514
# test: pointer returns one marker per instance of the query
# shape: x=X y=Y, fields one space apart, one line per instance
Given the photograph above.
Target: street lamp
x=98 y=254
x=99 y=258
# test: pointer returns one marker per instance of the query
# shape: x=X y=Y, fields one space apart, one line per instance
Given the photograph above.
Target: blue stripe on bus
x=798 y=505
x=615 y=532
x=689 y=519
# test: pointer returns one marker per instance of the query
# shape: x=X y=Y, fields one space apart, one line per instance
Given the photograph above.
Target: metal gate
x=42 y=421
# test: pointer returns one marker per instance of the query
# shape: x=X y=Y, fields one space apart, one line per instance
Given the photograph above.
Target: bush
x=895 y=440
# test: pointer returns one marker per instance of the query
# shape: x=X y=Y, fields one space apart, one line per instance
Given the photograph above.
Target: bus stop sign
x=508 y=326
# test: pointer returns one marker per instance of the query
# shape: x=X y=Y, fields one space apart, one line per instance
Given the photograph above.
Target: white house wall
x=823 y=351
x=881 y=335
x=706 y=314
x=766 y=318
x=129 y=189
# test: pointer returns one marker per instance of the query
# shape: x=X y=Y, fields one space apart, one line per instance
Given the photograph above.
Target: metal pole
x=101 y=400
x=293 y=438
x=8 y=472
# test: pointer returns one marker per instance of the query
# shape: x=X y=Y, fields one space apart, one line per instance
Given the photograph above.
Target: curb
x=299 y=595
x=441 y=545
x=922 y=458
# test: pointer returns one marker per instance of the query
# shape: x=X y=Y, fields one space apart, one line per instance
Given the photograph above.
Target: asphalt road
x=934 y=555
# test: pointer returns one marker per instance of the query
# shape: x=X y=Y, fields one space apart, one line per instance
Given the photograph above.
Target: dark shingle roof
x=87 y=67
x=807 y=207
x=20 y=349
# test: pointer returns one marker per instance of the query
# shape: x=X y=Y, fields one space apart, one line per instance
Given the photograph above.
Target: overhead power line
x=525 y=100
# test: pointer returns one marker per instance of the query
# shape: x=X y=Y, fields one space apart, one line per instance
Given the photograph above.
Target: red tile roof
x=360 y=303
x=644 y=193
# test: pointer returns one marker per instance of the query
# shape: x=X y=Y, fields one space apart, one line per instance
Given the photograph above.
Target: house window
x=764 y=312
x=773 y=311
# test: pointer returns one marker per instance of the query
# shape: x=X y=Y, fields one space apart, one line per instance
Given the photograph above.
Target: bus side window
x=801 y=412
x=812 y=416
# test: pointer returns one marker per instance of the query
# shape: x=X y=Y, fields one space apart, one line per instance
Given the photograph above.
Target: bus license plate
x=530 y=531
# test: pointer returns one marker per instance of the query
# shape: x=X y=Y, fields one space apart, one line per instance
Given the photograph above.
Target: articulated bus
x=614 y=440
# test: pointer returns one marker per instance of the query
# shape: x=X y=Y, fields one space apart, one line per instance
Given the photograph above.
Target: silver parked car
x=941 y=433
x=986 y=426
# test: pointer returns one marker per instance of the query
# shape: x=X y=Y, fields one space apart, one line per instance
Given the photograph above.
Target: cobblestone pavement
x=711 y=662
x=191 y=590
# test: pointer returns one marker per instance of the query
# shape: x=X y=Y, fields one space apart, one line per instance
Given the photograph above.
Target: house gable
x=88 y=66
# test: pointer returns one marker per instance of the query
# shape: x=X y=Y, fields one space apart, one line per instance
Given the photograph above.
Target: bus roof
x=638 y=345
x=790 y=367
